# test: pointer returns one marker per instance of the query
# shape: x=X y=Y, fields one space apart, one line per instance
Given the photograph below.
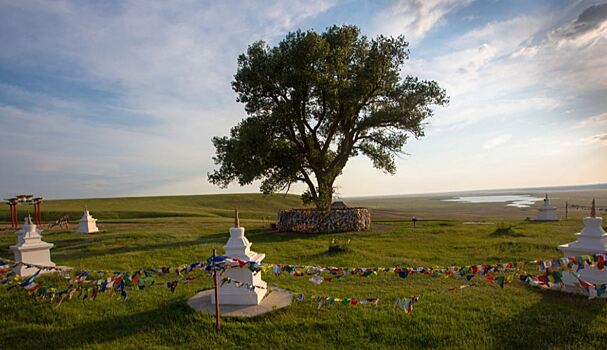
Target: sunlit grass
x=483 y=316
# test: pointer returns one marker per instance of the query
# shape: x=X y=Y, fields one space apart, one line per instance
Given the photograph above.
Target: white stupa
x=547 y=212
x=88 y=224
x=591 y=240
x=31 y=249
x=238 y=246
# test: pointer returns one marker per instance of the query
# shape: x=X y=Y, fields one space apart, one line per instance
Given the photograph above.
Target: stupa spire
x=236 y=219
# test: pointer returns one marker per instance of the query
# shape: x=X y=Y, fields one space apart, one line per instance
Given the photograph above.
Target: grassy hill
x=220 y=206
x=186 y=229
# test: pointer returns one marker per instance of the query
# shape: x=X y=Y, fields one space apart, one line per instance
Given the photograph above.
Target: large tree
x=315 y=100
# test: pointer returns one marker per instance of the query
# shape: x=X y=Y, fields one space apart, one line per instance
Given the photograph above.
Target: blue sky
x=120 y=98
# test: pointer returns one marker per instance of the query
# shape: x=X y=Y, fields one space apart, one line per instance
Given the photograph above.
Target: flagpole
x=217 y=320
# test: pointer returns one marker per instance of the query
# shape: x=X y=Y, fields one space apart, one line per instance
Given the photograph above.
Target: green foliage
x=314 y=101
x=339 y=246
x=504 y=229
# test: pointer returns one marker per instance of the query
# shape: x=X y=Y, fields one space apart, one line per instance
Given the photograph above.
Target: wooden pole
x=36 y=216
x=217 y=319
x=14 y=216
x=566 y=209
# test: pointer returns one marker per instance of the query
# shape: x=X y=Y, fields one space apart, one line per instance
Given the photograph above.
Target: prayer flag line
x=500 y=274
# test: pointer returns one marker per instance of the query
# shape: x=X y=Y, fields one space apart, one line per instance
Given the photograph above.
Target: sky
x=102 y=99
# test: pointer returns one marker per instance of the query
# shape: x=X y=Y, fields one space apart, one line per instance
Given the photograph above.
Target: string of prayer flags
x=239 y=284
x=373 y=301
x=330 y=300
x=172 y=285
x=28 y=284
x=84 y=286
x=316 y=279
x=406 y=304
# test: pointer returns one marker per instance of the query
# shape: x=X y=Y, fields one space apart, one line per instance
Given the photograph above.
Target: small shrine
x=547 y=212
x=591 y=240
x=238 y=246
x=31 y=249
x=88 y=224
x=245 y=294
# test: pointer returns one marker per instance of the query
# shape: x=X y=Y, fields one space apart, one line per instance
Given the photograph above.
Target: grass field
x=156 y=231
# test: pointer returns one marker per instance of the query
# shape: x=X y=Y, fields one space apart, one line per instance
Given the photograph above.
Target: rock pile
x=321 y=221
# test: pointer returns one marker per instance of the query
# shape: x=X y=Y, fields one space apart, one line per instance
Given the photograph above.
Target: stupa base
x=576 y=289
x=275 y=299
x=24 y=271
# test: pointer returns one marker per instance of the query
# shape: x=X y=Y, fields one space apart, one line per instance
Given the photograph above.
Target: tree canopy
x=316 y=100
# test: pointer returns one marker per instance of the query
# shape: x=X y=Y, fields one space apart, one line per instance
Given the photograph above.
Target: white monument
x=88 y=224
x=31 y=249
x=238 y=246
x=547 y=212
x=591 y=240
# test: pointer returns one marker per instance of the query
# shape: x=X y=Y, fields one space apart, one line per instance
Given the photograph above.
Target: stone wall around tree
x=323 y=221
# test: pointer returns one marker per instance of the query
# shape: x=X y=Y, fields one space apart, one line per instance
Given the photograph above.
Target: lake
x=518 y=201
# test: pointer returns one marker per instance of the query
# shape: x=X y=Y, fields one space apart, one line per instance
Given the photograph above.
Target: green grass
x=251 y=205
x=484 y=316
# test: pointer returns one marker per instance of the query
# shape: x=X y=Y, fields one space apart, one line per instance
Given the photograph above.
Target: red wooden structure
x=37 y=216
x=24 y=199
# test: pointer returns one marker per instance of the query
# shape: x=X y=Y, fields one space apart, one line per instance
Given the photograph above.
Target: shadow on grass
x=163 y=319
x=76 y=247
x=551 y=323
x=506 y=232
x=267 y=236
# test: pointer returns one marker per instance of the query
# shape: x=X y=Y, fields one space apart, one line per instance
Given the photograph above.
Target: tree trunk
x=325 y=194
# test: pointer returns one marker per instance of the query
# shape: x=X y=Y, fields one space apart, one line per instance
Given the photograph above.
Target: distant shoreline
x=522 y=190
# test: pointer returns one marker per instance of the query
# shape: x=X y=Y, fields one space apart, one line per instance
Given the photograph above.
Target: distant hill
x=250 y=205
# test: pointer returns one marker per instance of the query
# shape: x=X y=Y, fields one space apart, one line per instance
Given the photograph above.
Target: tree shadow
x=164 y=318
x=86 y=246
x=82 y=247
x=558 y=320
x=269 y=236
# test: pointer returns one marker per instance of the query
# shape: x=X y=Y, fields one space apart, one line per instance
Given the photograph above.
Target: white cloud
x=595 y=120
x=589 y=27
x=499 y=71
x=600 y=139
x=570 y=56
x=172 y=66
x=414 y=18
x=497 y=141
x=169 y=65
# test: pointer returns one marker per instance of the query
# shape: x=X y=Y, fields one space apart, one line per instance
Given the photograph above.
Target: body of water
x=519 y=201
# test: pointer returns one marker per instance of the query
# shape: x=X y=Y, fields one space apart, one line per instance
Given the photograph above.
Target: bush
x=504 y=230
x=337 y=246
